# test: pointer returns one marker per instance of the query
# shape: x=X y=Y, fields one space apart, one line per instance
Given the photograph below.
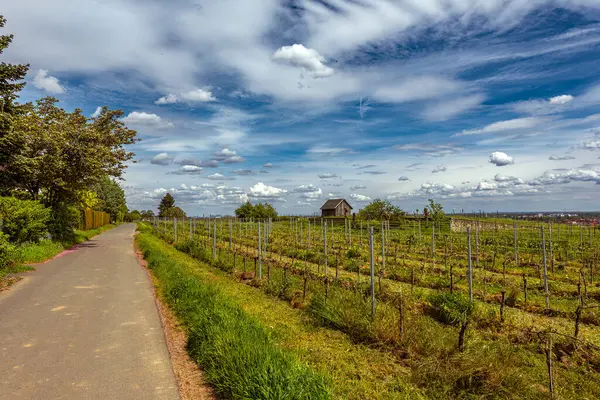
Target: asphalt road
x=85 y=326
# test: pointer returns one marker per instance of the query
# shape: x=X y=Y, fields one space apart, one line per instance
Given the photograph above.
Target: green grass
x=239 y=357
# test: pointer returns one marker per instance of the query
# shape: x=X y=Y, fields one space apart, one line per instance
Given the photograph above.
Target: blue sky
x=491 y=105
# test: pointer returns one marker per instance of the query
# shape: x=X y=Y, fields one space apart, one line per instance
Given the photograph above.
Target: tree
x=380 y=210
x=166 y=203
x=435 y=210
x=133 y=215
x=258 y=211
x=175 y=212
x=111 y=199
x=147 y=214
x=10 y=85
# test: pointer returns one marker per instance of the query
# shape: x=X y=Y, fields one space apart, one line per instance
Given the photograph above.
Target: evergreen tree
x=166 y=204
x=10 y=85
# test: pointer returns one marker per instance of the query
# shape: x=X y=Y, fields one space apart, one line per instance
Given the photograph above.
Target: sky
x=481 y=105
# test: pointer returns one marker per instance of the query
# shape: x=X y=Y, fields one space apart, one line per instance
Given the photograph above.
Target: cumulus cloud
x=227 y=156
x=560 y=158
x=359 y=197
x=311 y=196
x=563 y=99
x=197 y=162
x=196 y=95
x=219 y=177
x=327 y=176
x=162 y=159
x=268 y=165
x=188 y=170
x=310 y=188
x=243 y=172
x=563 y=177
x=358 y=187
x=299 y=56
x=47 y=83
x=506 y=178
x=439 y=168
x=501 y=126
x=97 y=113
x=501 y=159
x=404 y=179
x=147 y=119
x=262 y=191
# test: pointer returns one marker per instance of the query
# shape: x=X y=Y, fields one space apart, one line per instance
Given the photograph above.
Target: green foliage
x=175 y=212
x=166 y=203
x=111 y=198
x=380 y=210
x=134 y=215
x=147 y=214
x=256 y=211
x=64 y=219
x=8 y=251
x=434 y=210
x=238 y=356
x=23 y=220
x=452 y=308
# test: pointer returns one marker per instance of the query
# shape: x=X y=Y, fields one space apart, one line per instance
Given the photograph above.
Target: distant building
x=336 y=208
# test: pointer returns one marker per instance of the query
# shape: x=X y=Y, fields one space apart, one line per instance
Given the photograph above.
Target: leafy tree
x=133 y=215
x=426 y=213
x=111 y=199
x=23 y=220
x=166 y=203
x=258 y=211
x=381 y=210
x=147 y=214
x=10 y=85
x=175 y=212
x=435 y=210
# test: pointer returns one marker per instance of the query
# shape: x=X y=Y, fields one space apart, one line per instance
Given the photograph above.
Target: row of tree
x=63 y=160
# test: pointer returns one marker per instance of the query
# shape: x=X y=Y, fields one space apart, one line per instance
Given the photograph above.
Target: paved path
x=85 y=326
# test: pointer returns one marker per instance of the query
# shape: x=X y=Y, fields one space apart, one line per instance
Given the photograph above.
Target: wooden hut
x=336 y=208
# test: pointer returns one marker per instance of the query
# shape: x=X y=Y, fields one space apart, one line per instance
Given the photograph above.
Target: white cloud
x=268 y=165
x=243 y=172
x=196 y=95
x=219 y=177
x=404 y=179
x=299 y=56
x=447 y=109
x=47 y=83
x=324 y=150
x=563 y=99
x=327 y=176
x=519 y=123
x=262 y=191
x=143 y=118
x=359 y=197
x=188 y=170
x=310 y=188
x=501 y=159
x=97 y=113
x=227 y=156
x=311 y=196
x=358 y=187
x=416 y=88
x=560 y=158
x=439 y=168
x=162 y=159
x=505 y=178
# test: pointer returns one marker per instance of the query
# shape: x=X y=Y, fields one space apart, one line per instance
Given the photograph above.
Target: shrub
x=23 y=220
x=64 y=220
x=8 y=251
x=453 y=309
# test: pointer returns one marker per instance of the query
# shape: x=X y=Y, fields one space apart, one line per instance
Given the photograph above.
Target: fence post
x=259 y=252
x=470 y=265
x=325 y=246
x=515 y=244
x=545 y=270
x=433 y=242
x=175 y=229
x=230 y=233
x=309 y=234
x=372 y=265
x=215 y=240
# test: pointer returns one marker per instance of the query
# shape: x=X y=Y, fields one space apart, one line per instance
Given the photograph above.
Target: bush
x=23 y=220
x=8 y=251
x=452 y=308
x=64 y=220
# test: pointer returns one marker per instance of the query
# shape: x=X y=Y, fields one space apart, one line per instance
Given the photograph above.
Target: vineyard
x=472 y=308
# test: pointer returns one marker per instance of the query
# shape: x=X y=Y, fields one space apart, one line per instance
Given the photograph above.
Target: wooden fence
x=94 y=219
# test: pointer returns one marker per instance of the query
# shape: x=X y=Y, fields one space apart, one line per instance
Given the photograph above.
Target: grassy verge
x=239 y=356
x=46 y=249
